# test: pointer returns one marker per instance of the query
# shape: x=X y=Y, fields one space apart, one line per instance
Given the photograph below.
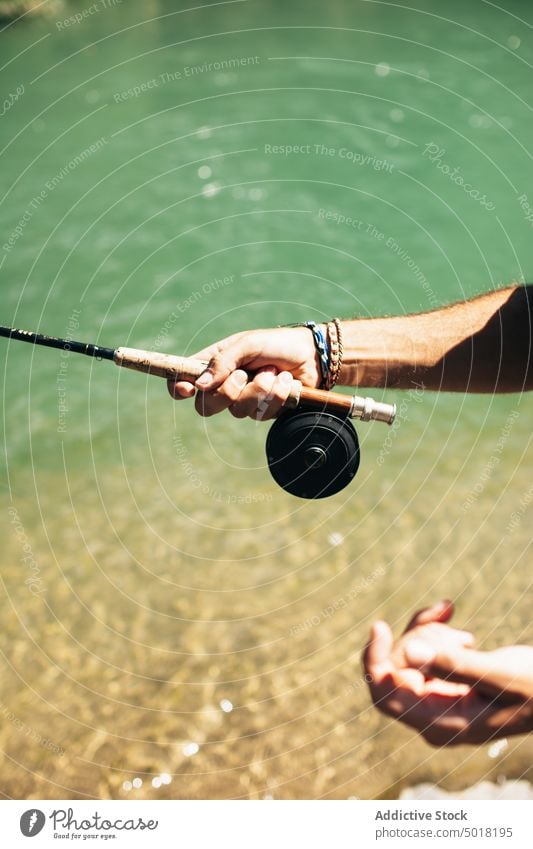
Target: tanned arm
x=480 y=345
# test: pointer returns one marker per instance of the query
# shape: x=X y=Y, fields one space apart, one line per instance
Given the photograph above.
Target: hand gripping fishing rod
x=312 y=447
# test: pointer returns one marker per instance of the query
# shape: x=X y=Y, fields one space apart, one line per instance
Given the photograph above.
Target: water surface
x=166 y=180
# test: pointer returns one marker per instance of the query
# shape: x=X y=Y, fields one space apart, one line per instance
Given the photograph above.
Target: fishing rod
x=312 y=447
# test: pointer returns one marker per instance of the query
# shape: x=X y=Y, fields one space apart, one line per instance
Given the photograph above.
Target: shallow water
x=176 y=613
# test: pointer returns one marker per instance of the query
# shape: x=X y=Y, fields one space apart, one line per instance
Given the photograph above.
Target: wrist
x=317 y=335
x=328 y=340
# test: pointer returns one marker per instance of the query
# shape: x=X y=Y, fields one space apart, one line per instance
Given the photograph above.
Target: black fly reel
x=312 y=454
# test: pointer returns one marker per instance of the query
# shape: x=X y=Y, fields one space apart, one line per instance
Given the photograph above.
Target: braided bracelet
x=336 y=352
x=321 y=346
x=322 y=349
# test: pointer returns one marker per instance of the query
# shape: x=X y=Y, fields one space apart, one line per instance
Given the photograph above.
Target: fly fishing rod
x=312 y=447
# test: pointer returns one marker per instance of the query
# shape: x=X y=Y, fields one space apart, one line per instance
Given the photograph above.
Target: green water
x=149 y=199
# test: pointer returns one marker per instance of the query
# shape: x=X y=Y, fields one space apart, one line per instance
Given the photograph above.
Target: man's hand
x=251 y=373
x=433 y=680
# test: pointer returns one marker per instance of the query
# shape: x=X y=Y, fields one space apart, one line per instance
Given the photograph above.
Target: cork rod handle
x=188 y=368
x=161 y=365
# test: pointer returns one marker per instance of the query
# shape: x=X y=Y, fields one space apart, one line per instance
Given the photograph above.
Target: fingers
x=261 y=398
x=290 y=351
x=183 y=388
x=394 y=692
x=442 y=687
x=441 y=611
x=417 y=648
x=180 y=389
x=209 y=403
x=225 y=358
x=467 y=638
x=377 y=652
x=378 y=667
x=461 y=665
x=264 y=396
x=404 y=695
x=440 y=637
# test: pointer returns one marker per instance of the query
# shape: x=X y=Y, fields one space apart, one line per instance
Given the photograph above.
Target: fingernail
x=204 y=380
x=419 y=653
x=240 y=379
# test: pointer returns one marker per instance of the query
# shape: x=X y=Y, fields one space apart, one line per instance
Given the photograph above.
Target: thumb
x=376 y=656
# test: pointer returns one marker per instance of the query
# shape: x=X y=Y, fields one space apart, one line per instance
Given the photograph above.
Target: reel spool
x=311 y=454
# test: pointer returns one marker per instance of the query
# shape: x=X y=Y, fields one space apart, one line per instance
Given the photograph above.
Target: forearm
x=482 y=345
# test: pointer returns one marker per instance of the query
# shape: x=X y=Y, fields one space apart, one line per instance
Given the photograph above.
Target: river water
x=170 y=616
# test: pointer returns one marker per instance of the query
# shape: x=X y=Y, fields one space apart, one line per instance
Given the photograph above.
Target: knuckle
x=237 y=411
x=220 y=362
x=234 y=387
x=264 y=383
x=279 y=394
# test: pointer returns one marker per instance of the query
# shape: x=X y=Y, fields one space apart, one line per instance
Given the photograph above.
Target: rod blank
x=55 y=342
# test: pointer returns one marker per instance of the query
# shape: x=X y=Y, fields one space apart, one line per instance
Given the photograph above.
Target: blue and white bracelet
x=322 y=349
